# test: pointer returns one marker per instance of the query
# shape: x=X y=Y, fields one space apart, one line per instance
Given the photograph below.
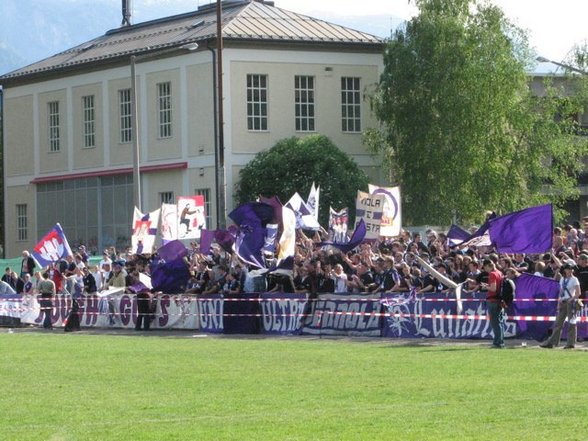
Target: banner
x=52 y=247
x=117 y=310
x=144 y=231
x=345 y=314
x=191 y=216
x=169 y=223
x=369 y=207
x=391 y=223
x=281 y=312
x=338 y=225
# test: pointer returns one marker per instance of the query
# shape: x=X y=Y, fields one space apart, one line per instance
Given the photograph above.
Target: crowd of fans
x=381 y=266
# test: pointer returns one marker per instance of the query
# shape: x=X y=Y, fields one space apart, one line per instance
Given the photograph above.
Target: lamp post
x=135 y=118
x=221 y=195
x=541 y=59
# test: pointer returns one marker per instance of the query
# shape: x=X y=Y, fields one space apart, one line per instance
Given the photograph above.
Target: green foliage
x=293 y=164
x=464 y=135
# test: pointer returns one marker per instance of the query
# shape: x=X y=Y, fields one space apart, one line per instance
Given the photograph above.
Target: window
x=126 y=117
x=89 y=121
x=164 y=109
x=350 y=104
x=257 y=102
x=304 y=102
x=22 y=231
x=207 y=204
x=54 y=145
x=166 y=197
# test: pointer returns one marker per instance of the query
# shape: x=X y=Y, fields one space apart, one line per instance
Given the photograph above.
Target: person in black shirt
x=581 y=272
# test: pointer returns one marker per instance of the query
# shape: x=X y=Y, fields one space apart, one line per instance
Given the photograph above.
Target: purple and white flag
x=304 y=216
x=391 y=221
x=370 y=208
x=525 y=231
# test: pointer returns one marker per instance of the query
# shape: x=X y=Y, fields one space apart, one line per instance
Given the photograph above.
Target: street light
x=135 y=119
x=541 y=59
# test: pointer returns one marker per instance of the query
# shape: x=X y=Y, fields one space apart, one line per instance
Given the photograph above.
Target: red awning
x=110 y=172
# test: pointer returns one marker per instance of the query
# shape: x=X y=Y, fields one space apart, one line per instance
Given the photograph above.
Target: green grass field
x=82 y=387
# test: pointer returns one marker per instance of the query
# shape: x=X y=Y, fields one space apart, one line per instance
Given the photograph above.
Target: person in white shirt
x=340 y=279
x=567 y=308
x=105 y=267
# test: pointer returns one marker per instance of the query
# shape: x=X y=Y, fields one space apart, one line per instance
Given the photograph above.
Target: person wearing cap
x=493 y=303
x=567 y=304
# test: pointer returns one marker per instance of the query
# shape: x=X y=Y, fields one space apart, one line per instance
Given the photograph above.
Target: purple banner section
x=282 y=313
x=393 y=316
x=210 y=310
x=345 y=314
x=410 y=317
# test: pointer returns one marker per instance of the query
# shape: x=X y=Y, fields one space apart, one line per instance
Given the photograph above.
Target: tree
x=462 y=132
x=293 y=164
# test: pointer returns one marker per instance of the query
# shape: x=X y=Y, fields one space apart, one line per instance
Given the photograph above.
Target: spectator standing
x=567 y=305
x=47 y=292
x=27 y=266
x=494 y=304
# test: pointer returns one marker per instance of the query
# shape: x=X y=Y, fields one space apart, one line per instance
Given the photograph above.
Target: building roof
x=243 y=20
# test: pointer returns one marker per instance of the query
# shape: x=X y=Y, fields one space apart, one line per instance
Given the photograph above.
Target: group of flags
x=269 y=228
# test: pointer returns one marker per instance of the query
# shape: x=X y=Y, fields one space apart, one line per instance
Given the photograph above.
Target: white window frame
x=304 y=103
x=351 y=104
x=22 y=223
x=257 y=102
x=53 y=126
x=125 y=116
x=89 y=121
x=164 y=109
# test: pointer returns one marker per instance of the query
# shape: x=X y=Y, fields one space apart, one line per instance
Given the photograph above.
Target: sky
x=35 y=29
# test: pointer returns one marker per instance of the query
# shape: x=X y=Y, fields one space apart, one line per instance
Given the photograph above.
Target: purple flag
x=356 y=239
x=170 y=273
x=251 y=219
x=457 y=235
x=524 y=231
x=530 y=299
x=274 y=201
x=206 y=238
x=226 y=238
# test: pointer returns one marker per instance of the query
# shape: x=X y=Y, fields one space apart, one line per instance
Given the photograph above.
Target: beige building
x=69 y=126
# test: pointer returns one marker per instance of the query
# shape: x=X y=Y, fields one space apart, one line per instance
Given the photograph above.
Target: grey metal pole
x=135 y=135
